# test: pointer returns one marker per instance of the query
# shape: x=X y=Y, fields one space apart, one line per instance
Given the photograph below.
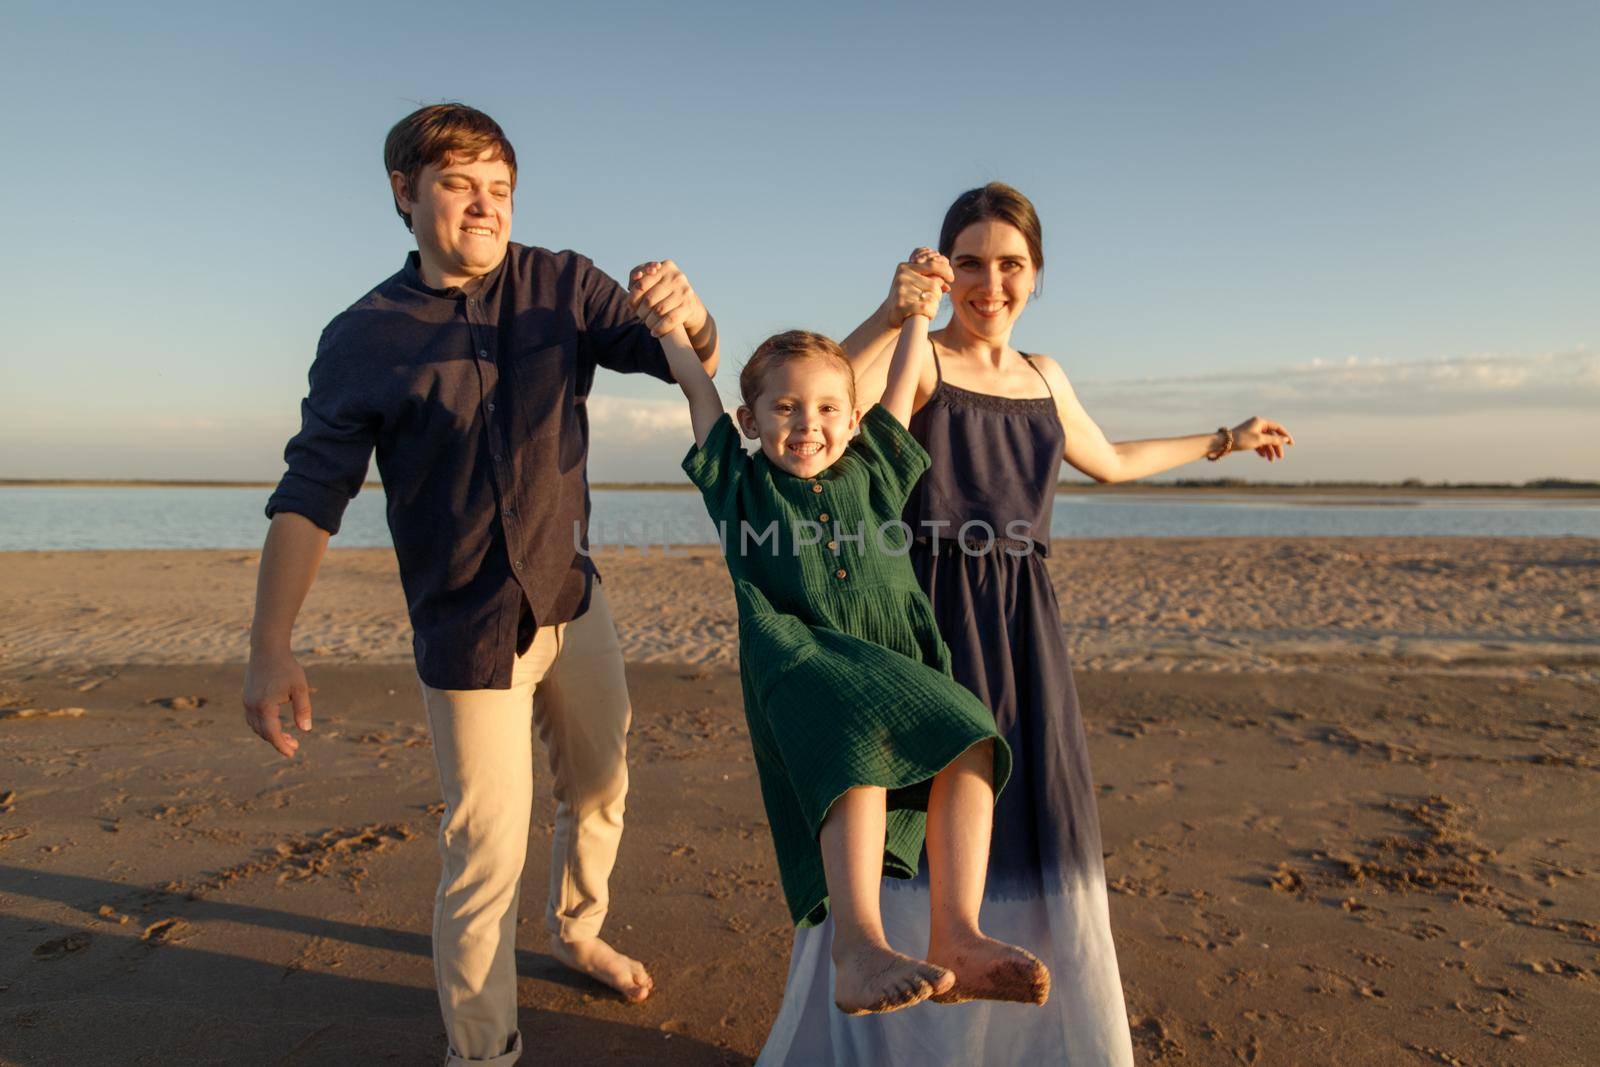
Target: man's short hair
x=439 y=134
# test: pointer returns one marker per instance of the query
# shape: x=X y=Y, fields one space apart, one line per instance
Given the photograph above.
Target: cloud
x=631 y=419
x=1557 y=381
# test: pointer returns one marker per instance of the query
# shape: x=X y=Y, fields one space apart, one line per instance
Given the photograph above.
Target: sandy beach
x=1347 y=790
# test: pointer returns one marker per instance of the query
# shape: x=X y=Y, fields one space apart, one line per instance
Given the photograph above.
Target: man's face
x=461 y=215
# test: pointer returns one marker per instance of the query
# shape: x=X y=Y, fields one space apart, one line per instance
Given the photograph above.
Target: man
x=468 y=372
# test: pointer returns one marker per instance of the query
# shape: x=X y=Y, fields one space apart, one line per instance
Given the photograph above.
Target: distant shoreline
x=1543 y=489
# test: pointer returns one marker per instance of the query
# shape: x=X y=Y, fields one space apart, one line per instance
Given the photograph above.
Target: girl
x=864 y=743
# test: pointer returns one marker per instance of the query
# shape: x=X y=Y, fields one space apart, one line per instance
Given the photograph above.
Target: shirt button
x=833 y=546
x=519 y=566
x=816 y=488
x=482 y=353
x=823 y=517
x=491 y=405
x=840 y=573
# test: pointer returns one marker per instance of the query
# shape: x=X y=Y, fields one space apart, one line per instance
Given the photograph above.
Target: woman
x=997 y=424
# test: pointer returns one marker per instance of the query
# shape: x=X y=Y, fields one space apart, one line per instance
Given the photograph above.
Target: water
x=91 y=518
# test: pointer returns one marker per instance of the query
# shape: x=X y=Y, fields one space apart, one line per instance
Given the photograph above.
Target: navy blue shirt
x=474 y=399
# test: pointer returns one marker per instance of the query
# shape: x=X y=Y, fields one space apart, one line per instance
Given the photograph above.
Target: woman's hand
x=918 y=284
x=1268 y=439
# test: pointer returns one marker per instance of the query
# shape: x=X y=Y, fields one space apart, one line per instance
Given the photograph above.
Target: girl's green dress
x=846 y=679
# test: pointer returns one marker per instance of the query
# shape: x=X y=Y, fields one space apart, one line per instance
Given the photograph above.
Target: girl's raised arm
x=705 y=406
x=910 y=351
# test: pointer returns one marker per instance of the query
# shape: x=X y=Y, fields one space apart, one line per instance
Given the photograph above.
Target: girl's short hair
x=997 y=200
x=439 y=134
x=787 y=347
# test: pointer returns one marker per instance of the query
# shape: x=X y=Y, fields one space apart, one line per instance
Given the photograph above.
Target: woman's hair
x=787 y=347
x=997 y=200
x=441 y=134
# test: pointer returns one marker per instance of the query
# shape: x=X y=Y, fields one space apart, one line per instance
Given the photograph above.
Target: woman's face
x=995 y=276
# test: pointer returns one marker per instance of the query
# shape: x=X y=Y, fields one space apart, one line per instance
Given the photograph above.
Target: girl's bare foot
x=987 y=969
x=874 y=978
x=606 y=965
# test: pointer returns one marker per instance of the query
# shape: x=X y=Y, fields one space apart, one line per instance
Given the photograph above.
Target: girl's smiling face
x=803 y=416
x=995 y=275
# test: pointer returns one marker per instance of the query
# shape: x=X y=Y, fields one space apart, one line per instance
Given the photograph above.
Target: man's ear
x=401 y=190
x=747 y=422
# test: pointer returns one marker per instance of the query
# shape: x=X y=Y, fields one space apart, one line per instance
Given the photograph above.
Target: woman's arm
x=1089 y=451
x=705 y=406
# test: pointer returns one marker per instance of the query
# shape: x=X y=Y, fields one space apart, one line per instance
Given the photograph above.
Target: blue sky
x=1375 y=222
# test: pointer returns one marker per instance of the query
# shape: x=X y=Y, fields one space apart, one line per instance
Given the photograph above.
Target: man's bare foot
x=987 y=969
x=604 y=964
x=874 y=978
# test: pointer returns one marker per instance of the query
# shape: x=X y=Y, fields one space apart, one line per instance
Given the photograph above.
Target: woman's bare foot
x=874 y=978
x=987 y=969
x=604 y=964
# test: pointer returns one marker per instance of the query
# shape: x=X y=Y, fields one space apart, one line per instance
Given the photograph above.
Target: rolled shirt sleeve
x=328 y=459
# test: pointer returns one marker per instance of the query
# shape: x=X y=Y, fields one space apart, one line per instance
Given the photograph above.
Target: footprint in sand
x=1154 y=1037
x=1286 y=879
x=56 y=948
x=165 y=932
x=42 y=713
x=179 y=703
x=1560 y=968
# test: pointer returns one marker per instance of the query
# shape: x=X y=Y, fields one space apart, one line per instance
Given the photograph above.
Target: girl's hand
x=1266 y=438
x=918 y=284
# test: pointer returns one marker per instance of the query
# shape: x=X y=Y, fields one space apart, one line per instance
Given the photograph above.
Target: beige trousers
x=571 y=687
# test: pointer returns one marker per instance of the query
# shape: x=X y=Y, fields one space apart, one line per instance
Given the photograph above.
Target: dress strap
x=938 y=371
x=1040 y=373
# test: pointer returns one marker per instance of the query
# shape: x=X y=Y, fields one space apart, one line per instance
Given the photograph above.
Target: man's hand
x=270 y=681
x=665 y=300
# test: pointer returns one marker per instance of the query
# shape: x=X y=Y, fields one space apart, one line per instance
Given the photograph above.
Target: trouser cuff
x=505 y=1059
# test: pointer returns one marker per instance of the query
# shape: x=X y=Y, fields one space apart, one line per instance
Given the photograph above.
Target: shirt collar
x=411 y=273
